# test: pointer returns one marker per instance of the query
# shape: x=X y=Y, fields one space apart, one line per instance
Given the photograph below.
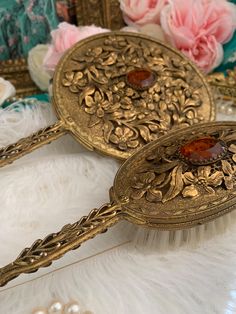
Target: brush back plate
x=94 y=100
x=161 y=189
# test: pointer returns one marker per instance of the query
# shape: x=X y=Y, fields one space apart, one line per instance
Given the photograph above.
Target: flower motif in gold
x=230 y=174
x=124 y=138
x=202 y=180
x=96 y=105
x=74 y=80
x=232 y=149
x=145 y=184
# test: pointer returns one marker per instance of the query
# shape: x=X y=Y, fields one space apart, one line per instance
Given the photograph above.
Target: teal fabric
x=18 y=106
x=41 y=97
x=24 y=24
x=229 y=61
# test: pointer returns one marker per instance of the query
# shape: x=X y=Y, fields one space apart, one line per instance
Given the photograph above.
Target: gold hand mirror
x=117 y=91
x=184 y=179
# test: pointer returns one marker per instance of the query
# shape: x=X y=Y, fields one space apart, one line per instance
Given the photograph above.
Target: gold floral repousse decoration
x=107 y=109
x=168 y=175
x=123 y=117
x=157 y=187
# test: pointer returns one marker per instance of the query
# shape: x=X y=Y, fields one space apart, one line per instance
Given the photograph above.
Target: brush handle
x=43 y=252
x=26 y=145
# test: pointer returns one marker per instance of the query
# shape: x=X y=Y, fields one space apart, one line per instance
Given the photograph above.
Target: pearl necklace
x=57 y=307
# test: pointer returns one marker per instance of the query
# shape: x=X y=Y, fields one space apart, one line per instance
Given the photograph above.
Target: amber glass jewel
x=141 y=78
x=203 y=150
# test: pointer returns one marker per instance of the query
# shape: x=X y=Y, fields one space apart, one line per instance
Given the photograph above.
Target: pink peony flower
x=141 y=12
x=63 y=38
x=198 y=28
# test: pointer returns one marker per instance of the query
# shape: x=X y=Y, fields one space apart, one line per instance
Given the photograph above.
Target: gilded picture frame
x=104 y=13
x=16 y=71
x=99 y=12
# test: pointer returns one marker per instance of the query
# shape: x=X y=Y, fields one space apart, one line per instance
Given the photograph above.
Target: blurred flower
x=141 y=12
x=153 y=30
x=6 y=90
x=220 y=19
x=198 y=28
x=134 y=29
x=63 y=38
x=206 y=53
x=35 y=63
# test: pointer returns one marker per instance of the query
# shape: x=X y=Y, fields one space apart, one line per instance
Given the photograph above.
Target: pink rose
x=63 y=38
x=197 y=28
x=206 y=52
x=142 y=12
x=220 y=19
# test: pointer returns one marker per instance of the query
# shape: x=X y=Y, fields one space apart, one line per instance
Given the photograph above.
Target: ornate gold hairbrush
x=182 y=180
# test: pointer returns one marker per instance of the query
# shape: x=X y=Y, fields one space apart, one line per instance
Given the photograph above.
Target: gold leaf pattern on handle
x=28 y=144
x=71 y=236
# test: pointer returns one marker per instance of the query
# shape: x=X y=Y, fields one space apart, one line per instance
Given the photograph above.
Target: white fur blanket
x=59 y=183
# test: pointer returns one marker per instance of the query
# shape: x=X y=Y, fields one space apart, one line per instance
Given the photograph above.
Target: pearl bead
x=40 y=311
x=229 y=110
x=73 y=308
x=56 y=308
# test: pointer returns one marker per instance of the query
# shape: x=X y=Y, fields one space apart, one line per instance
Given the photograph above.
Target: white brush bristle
x=162 y=241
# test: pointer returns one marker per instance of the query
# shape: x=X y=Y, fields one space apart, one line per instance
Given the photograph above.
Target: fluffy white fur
x=61 y=182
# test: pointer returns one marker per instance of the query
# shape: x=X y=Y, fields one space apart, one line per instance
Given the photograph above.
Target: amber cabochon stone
x=203 y=150
x=140 y=78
